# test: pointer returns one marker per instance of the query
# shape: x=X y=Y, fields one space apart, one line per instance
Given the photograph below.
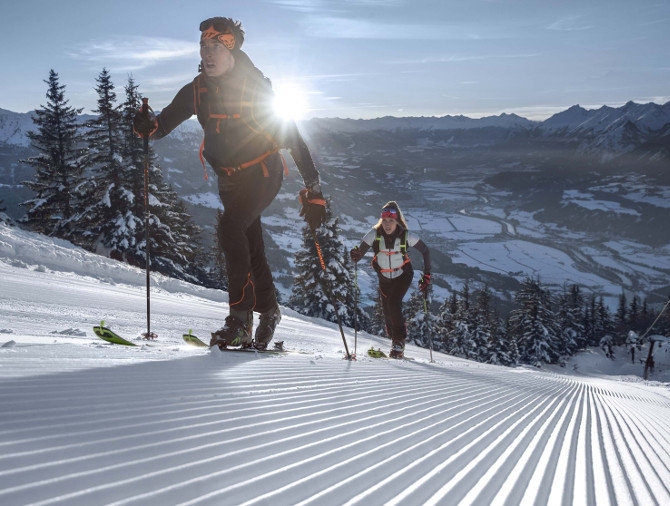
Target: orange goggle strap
x=226 y=38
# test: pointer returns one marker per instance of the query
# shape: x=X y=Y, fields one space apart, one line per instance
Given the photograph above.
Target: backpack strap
x=376 y=248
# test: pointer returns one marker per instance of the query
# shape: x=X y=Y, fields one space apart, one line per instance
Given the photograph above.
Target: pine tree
x=58 y=166
x=308 y=295
x=445 y=321
x=420 y=320
x=118 y=215
x=621 y=320
x=460 y=340
x=501 y=347
x=362 y=318
x=109 y=220
x=175 y=247
x=602 y=322
x=377 y=323
x=570 y=319
x=634 y=314
x=534 y=325
x=219 y=273
x=482 y=323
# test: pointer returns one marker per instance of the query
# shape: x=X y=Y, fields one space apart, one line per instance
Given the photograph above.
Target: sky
x=354 y=58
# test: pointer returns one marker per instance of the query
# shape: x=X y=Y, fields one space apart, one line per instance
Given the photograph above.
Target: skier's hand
x=313 y=207
x=424 y=283
x=355 y=255
x=145 y=123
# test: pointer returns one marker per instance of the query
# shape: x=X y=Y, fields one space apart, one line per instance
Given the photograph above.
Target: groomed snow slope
x=84 y=422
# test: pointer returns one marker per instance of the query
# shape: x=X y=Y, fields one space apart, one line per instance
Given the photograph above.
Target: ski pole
x=430 y=336
x=355 y=305
x=145 y=138
x=330 y=296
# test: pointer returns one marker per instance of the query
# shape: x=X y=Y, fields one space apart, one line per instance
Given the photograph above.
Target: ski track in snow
x=83 y=422
x=231 y=429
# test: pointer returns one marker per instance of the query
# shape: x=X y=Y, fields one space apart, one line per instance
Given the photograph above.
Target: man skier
x=242 y=137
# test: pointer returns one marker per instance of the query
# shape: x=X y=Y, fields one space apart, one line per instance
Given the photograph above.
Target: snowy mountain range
x=580 y=197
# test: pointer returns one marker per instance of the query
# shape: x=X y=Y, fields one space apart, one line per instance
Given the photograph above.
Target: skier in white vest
x=389 y=240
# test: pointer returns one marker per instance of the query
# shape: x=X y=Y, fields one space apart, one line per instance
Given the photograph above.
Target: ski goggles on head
x=390 y=212
x=225 y=37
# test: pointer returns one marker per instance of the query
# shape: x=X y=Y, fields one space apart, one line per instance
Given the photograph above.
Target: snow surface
x=86 y=422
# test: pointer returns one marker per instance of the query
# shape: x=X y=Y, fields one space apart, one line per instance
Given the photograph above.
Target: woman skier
x=389 y=240
x=242 y=137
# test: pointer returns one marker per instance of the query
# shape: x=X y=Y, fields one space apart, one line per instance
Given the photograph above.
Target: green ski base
x=104 y=333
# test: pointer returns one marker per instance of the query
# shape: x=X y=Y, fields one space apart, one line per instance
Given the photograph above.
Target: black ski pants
x=245 y=195
x=392 y=292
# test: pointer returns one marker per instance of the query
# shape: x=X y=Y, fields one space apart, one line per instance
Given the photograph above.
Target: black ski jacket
x=240 y=127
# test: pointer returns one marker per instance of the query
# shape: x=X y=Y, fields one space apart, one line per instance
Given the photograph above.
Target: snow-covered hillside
x=85 y=422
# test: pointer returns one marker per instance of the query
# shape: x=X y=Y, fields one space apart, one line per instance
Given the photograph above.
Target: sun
x=290 y=102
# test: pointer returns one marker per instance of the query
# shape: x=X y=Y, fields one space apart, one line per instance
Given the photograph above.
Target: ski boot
x=267 y=324
x=397 y=351
x=236 y=331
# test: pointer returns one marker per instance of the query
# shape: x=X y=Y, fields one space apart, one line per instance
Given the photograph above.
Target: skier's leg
x=398 y=289
x=244 y=199
x=264 y=287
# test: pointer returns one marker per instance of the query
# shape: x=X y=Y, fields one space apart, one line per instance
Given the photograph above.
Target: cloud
x=134 y=53
x=569 y=24
x=332 y=6
x=462 y=58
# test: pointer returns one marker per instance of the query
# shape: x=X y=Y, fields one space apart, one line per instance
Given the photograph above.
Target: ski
x=107 y=335
x=378 y=353
x=278 y=350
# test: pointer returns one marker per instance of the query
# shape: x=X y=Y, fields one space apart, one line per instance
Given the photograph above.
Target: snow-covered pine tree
x=174 y=236
x=377 y=324
x=420 y=320
x=482 y=323
x=219 y=273
x=602 y=322
x=445 y=321
x=501 y=346
x=58 y=166
x=460 y=340
x=570 y=320
x=663 y=324
x=109 y=220
x=620 y=329
x=308 y=296
x=362 y=318
x=534 y=325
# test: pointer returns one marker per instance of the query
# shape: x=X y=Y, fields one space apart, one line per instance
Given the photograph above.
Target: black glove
x=424 y=282
x=313 y=207
x=355 y=255
x=145 y=123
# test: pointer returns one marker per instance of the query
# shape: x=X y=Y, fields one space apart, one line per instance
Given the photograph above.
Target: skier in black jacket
x=389 y=240
x=242 y=137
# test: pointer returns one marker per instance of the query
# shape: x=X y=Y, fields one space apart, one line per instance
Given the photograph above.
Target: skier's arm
x=180 y=109
x=423 y=249
x=293 y=141
x=359 y=251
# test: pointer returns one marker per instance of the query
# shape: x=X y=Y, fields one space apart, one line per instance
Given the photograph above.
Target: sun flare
x=290 y=102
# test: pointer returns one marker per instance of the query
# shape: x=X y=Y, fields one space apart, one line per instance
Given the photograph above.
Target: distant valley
x=583 y=197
